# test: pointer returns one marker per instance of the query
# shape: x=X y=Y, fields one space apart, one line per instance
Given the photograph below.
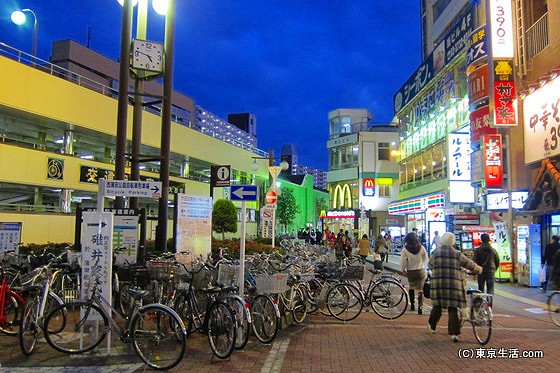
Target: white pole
x=242 y=251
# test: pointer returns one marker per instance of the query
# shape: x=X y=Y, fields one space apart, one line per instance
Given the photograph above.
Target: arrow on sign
x=155 y=189
x=103 y=224
x=241 y=193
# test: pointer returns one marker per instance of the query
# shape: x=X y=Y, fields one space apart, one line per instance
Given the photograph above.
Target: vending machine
x=528 y=238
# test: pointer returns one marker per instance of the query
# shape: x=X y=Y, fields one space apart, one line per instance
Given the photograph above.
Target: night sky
x=288 y=62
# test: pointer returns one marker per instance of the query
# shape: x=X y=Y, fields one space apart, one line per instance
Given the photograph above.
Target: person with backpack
x=487 y=257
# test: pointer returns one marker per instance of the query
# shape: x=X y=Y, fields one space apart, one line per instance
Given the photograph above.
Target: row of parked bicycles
x=157 y=305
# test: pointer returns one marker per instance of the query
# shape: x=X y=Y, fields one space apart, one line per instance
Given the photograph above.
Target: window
x=384 y=191
x=384 y=151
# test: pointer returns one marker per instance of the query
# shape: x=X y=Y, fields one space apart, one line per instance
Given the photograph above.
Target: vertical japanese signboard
x=194 y=224
x=503 y=247
x=503 y=101
x=97 y=253
x=493 y=162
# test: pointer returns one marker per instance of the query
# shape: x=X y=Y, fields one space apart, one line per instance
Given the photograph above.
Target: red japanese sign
x=481 y=124
x=503 y=94
x=478 y=84
x=493 y=162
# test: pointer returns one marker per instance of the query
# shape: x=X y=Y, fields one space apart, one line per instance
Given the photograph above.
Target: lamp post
x=19 y=18
x=273 y=171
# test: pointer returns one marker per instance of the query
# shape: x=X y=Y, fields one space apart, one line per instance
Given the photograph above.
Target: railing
x=52 y=69
x=29 y=208
x=537 y=37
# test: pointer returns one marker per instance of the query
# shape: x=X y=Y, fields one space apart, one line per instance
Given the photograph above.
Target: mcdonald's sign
x=342 y=197
x=368 y=188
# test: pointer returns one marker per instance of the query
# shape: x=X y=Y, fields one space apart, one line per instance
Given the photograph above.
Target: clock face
x=147 y=55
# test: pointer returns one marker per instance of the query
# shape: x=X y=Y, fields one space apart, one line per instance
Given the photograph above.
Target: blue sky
x=288 y=62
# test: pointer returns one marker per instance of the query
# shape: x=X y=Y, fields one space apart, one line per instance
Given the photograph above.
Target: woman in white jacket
x=414 y=258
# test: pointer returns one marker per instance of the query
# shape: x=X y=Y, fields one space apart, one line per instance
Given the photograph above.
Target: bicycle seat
x=473 y=291
x=138 y=294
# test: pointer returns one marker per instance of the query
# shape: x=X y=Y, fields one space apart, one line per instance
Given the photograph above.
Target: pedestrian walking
x=546 y=260
x=555 y=274
x=413 y=264
x=343 y=247
x=389 y=244
x=487 y=257
x=364 y=246
x=381 y=247
x=448 y=284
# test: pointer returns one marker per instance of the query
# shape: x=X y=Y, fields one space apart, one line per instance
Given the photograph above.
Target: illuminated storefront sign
x=416 y=205
x=453 y=43
x=368 y=188
x=342 y=197
x=459 y=156
x=477 y=51
x=341 y=214
x=501 y=28
x=493 y=160
x=503 y=97
x=499 y=201
x=478 y=84
x=480 y=124
x=541 y=118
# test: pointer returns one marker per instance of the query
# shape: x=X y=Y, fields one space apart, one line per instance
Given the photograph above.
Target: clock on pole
x=147 y=55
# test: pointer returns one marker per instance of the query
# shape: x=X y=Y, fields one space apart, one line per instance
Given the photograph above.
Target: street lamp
x=19 y=18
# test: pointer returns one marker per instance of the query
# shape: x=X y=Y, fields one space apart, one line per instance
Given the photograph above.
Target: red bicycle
x=11 y=307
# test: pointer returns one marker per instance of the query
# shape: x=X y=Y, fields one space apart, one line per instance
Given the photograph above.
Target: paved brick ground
x=366 y=344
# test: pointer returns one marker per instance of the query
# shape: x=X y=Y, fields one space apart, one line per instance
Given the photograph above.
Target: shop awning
x=543 y=195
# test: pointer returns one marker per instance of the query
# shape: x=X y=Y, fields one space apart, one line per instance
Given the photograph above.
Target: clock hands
x=145 y=54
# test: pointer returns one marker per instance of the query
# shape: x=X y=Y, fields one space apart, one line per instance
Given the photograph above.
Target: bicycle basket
x=273 y=284
x=227 y=274
x=350 y=273
x=202 y=278
x=160 y=270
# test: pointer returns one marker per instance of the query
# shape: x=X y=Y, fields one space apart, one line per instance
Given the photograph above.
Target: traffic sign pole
x=242 y=250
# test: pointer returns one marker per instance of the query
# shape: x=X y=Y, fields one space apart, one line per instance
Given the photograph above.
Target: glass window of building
x=384 y=191
x=384 y=151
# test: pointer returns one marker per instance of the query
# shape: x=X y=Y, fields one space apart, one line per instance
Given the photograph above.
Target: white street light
x=19 y=18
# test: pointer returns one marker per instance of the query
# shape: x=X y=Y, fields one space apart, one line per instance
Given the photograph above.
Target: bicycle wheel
x=314 y=288
x=13 y=309
x=54 y=301
x=125 y=299
x=265 y=320
x=481 y=320
x=388 y=299
x=85 y=326
x=221 y=329
x=554 y=307
x=298 y=304
x=243 y=319
x=345 y=302
x=158 y=336
x=29 y=328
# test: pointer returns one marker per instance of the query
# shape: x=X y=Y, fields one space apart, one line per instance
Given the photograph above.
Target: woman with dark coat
x=448 y=284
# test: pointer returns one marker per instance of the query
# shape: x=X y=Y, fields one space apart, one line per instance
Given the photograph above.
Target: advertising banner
x=493 y=161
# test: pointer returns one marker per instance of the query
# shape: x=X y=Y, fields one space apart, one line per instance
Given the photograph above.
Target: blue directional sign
x=243 y=193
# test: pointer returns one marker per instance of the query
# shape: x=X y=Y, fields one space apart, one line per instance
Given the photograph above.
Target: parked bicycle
x=155 y=331
x=11 y=307
x=553 y=303
x=384 y=294
x=479 y=313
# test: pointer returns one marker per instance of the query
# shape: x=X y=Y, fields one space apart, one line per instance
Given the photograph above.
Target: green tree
x=224 y=217
x=286 y=208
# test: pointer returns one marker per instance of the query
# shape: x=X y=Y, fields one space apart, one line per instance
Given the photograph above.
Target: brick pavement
x=366 y=344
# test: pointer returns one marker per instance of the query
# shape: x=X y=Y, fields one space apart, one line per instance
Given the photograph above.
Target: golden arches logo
x=342 y=197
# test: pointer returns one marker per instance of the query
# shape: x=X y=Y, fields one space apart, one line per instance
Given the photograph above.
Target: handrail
x=52 y=69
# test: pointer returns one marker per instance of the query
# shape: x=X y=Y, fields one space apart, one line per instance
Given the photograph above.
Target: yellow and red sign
x=368 y=188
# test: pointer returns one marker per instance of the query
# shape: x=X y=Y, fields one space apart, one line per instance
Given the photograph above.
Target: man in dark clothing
x=487 y=257
x=546 y=260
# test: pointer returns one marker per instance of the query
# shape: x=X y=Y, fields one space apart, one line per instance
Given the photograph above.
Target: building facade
x=477 y=134
x=362 y=177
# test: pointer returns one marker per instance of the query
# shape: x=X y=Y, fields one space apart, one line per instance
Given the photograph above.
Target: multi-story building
x=362 y=177
x=289 y=155
x=478 y=125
